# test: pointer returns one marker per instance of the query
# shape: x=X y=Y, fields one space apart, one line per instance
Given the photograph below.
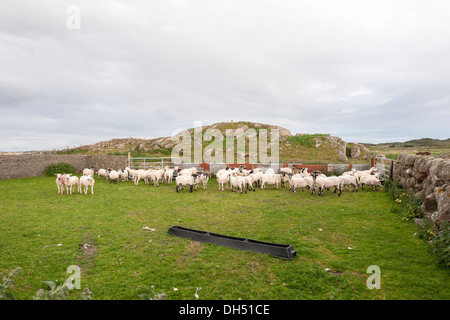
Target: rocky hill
x=293 y=147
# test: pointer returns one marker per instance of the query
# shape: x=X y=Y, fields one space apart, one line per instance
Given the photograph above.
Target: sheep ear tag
x=284 y=251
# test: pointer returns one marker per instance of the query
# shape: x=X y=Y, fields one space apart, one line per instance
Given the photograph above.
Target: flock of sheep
x=238 y=179
x=243 y=180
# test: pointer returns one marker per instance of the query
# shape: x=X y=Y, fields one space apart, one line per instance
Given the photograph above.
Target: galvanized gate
x=152 y=162
x=385 y=166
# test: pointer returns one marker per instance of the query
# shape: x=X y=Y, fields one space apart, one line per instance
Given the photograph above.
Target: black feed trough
x=284 y=251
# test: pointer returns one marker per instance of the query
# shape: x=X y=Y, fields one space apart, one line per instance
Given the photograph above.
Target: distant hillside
x=424 y=142
x=392 y=150
x=305 y=148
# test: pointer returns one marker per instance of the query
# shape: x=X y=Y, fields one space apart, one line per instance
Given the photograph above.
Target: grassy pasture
x=344 y=235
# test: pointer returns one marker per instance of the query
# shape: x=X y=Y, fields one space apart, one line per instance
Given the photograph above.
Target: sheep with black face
x=185 y=180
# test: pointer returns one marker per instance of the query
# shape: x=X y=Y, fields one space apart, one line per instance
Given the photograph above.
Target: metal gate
x=152 y=162
x=385 y=166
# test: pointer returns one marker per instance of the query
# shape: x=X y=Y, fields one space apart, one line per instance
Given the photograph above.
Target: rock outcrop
x=164 y=145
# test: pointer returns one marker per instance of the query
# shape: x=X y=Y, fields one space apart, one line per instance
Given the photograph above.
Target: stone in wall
x=427 y=177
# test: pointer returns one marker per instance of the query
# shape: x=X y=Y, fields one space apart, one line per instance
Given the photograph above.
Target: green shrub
x=307 y=140
x=166 y=152
x=410 y=207
x=393 y=156
x=7 y=284
x=55 y=168
x=440 y=244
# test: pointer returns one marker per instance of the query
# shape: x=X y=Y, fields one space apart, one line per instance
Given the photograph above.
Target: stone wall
x=32 y=165
x=427 y=177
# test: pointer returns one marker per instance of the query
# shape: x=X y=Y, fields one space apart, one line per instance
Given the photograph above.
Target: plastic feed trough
x=284 y=251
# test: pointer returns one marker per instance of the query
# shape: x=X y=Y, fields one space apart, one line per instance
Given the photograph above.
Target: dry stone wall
x=32 y=165
x=427 y=177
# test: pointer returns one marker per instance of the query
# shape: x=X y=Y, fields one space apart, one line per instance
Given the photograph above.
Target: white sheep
x=71 y=182
x=286 y=170
x=351 y=172
x=270 y=179
x=88 y=171
x=243 y=172
x=358 y=174
x=103 y=173
x=133 y=174
x=168 y=175
x=284 y=178
x=348 y=180
x=324 y=182
x=113 y=175
x=370 y=180
x=256 y=178
x=86 y=182
x=202 y=179
x=123 y=175
x=156 y=176
x=223 y=179
x=60 y=182
x=248 y=183
x=142 y=175
x=221 y=171
x=225 y=174
x=185 y=180
x=236 y=182
x=298 y=182
x=188 y=172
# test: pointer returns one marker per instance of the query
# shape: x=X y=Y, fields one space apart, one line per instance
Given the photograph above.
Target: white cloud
x=146 y=68
x=350 y=110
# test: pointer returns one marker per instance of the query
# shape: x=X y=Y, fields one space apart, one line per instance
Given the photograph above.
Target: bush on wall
x=55 y=168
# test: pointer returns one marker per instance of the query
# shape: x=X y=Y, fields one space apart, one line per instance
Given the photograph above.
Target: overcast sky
x=366 y=71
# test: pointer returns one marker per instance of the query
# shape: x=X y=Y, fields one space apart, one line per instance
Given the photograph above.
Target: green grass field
x=344 y=235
